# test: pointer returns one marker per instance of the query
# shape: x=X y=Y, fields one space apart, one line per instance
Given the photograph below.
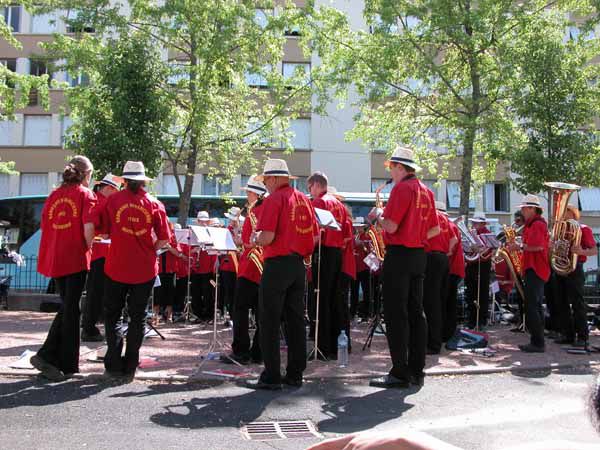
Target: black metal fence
x=24 y=278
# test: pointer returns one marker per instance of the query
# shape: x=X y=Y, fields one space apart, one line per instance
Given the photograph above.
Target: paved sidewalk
x=178 y=356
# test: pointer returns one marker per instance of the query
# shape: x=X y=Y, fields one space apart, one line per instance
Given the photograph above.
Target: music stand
x=221 y=243
x=326 y=221
x=375 y=326
x=193 y=236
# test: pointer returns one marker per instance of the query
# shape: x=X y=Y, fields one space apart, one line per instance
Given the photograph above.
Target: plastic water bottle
x=342 y=350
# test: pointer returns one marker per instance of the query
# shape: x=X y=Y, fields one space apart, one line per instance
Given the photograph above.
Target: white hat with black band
x=135 y=170
x=530 y=200
x=112 y=180
x=255 y=186
x=275 y=168
x=405 y=156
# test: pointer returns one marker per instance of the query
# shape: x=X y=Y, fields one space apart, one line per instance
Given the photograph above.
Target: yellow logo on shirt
x=133 y=219
x=63 y=204
x=423 y=204
x=301 y=218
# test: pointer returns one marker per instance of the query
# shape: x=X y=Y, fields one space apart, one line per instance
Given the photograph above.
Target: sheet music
x=194 y=235
x=326 y=219
x=221 y=239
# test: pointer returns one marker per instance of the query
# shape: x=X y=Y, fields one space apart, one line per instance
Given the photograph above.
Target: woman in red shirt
x=137 y=225
x=168 y=262
x=67 y=234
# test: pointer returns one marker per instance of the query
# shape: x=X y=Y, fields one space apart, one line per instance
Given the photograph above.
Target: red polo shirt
x=332 y=238
x=361 y=252
x=248 y=269
x=440 y=242
x=411 y=206
x=535 y=234
x=167 y=261
x=99 y=250
x=587 y=241
x=289 y=214
x=503 y=276
x=63 y=250
x=457 y=259
x=131 y=219
x=348 y=262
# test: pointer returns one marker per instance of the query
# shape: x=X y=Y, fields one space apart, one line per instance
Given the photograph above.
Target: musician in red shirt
x=169 y=259
x=328 y=279
x=363 y=274
x=477 y=279
x=229 y=263
x=202 y=272
x=91 y=308
x=536 y=270
x=287 y=229
x=67 y=226
x=137 y=226
x=436 y=280
x=342 y=317
x=408 y=221
x=571 y=306
x=456 y=261
x=249 y=274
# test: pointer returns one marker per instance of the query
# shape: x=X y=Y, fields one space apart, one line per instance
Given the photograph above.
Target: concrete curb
x=354 y=376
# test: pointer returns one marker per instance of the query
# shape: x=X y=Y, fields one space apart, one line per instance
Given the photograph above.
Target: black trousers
x=164 y=295
x=362 y=281
x=136 y=297
x=228 y=285
x=341 y=314
x=91 y=309
x=551 y=295
x=403 y=274
x=434 y=293
x=571 y=307
x=180 y=294
x=281 y=292
x=61 y=347
x=479 y=271
x=203 y=295
x=534 y=312
x=246 y=298
x=449 y=307
x=329 y=298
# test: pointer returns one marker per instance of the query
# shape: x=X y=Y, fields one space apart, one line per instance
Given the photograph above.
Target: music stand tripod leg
x=316 y=351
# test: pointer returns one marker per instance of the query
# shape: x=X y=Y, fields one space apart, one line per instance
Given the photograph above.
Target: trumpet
x=256 y=253
x=375 y=233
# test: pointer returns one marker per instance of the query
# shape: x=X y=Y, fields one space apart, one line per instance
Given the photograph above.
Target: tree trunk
x=466 y=169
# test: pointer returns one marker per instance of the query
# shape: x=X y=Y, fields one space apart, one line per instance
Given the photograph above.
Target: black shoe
x=563 y=340
x=530 y=348
x=292 y=381
x=389 y=381
x=417 y=380
x=259 y=384
x=229 y=359
x=85 y=337
x=46 y=369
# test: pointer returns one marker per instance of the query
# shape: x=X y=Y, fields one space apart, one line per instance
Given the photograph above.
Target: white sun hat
x=135 y=170
x=275 y=168
x=405 y=156
x=112 y=180
x=255 y=186
x=530 y=200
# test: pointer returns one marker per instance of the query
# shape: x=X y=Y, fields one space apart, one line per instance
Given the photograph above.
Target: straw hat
x=358 y=222
x=440 y=206
x=215 y=222
x=203 y=216
x=275 y=168
x=233 y=213
x=134 y=170
x=255 y=186
x=530 y=200
x=478 y=216
x=404 y=156
x=112 y=180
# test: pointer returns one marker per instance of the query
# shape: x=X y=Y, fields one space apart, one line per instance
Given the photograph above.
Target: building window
x=431 y=185
x=12 y=17
x=7 y=133
x=301 y=133
x=300 y=184
x=37 y=130
x=244 y=181
x=34 y=183
x=291 y=69
x=75 y=26
x=179 y=71
x=80 y=79
x=256 y=79
x=44 y=23
x=4 y=185
x=40 y=67
x=589 y=199
x=261 y=17
x=496 y=197
x=169 y=184
x=377 y=182
x=10 y=64
x=453 y=195
x=65 y=132
x=214 y=186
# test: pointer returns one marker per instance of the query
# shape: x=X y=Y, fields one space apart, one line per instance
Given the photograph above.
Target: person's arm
x=89 y=231
x=263 y=238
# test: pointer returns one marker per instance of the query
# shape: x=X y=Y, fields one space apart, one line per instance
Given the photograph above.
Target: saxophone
x=375 y=233
x=256 y=253
x=512 y=258
x=565 y=233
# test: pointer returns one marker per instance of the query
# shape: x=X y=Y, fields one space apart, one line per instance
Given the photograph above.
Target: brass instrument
x=256 y=253
x=473 y=241
x=565 y=233
x=513 y=258
x=375 y=232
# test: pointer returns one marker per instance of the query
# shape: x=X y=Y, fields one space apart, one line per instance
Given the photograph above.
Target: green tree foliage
x=433 y=74
x=123 y=113
x=556 y=99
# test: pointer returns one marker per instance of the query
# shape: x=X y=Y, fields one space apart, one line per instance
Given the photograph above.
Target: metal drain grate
x=267 y=431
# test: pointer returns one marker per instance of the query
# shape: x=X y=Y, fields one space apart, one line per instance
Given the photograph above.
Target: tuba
x=471 y=240
x=565 y=233
x=375 y=233
x=512 y=258
x=256 y=253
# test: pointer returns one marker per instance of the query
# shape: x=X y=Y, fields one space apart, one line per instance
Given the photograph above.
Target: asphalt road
x=473 y=412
